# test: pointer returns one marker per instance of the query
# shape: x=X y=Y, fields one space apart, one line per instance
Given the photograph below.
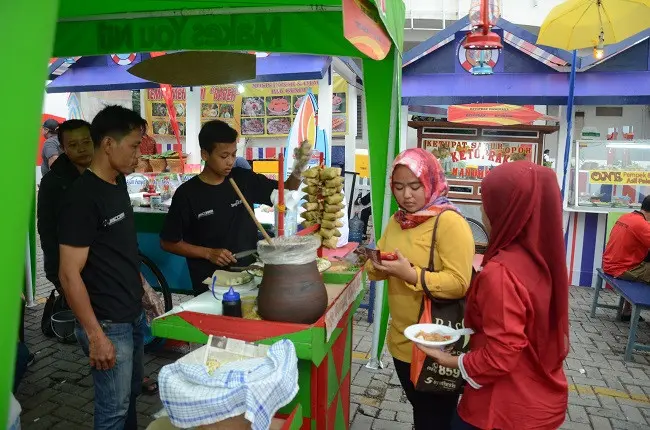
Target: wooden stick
x=251 y=212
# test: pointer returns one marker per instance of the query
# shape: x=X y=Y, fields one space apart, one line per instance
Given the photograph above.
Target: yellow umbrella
x=578 y=24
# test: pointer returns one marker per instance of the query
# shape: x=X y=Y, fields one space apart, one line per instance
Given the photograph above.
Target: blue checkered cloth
x=256 y=388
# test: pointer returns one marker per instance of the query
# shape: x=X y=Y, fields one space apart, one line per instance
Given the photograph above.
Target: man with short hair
x=77 y=146
x=51 y=147
x=626 y=253
x=100 y=268
x=207 y=222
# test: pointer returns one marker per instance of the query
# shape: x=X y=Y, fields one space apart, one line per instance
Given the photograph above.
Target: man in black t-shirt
x=207 y=223
x=100 y=268
x=77 y=144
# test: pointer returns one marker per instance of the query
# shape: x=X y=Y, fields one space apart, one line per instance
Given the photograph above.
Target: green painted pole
x=24 y=87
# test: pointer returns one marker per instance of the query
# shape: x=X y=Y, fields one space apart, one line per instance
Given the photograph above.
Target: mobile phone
x=388 y=256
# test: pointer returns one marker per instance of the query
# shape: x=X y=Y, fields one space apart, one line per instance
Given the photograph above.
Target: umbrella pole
x=569 y=120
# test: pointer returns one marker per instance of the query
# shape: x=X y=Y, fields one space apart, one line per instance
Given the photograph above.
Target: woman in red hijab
x=518 y=306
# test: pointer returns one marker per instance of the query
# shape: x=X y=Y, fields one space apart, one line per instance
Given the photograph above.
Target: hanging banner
x=494 y=114
x=264 y=109
x=474 y=159
x=363 y=27
x=618 y=177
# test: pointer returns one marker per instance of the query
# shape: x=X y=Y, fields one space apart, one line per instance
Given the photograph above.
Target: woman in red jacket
x=518 y=306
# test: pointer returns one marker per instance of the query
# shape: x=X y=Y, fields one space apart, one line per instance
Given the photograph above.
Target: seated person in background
x=626 y=253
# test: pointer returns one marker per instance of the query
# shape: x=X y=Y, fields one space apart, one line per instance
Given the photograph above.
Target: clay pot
x=292 y=289
x=292 y=293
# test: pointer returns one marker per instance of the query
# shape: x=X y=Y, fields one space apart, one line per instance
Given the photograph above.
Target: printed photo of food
x=180 y=110
x=339 y=124
x=296 y=102
x=181 y=128
x=278 y=125
x=339 y=104
x=278 y=106
x=209 y=110
x=162 y=128
x=252 y=126
x=159 y=109
x=226 y=111
x=252 y=106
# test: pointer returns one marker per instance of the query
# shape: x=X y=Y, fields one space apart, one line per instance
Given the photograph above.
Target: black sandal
x=149 y=386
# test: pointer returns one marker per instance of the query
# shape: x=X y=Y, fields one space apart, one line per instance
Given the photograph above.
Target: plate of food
x=278 y=105
x=252 y=106
x=434 y=335
x=228 y=279
x=278 y=126
x=252 y=126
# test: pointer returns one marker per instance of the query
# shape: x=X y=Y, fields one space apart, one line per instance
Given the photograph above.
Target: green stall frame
x=40 y=30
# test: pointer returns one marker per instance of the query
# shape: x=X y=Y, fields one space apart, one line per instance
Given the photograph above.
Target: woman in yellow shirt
x=420 y=188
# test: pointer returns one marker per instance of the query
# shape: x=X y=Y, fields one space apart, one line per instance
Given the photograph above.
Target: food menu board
x=263 y=109
x=221 y=102
x=474 y=159
x=268 y=108
x=156 y=112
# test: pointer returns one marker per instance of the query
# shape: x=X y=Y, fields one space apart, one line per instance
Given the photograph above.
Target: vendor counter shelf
x=324 y=349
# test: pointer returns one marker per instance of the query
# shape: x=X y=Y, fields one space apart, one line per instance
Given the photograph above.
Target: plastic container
x=231 y=303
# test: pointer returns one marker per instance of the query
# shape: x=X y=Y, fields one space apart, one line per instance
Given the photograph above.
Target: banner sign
x=494 y=114
x=474 y=159
x=264 y=109
x=618 y=177
x=363 y=27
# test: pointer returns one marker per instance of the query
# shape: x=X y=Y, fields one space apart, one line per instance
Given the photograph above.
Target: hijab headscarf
x=426 y=167
x=523 y=203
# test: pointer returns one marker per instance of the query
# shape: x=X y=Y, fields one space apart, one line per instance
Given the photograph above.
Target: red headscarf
x=426 y=167
x=523 y=203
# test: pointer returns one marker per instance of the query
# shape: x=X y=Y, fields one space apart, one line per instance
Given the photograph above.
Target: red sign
x=362 y=26
x=494 y=114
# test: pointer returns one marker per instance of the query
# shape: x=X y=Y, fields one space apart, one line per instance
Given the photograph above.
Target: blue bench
x=637 y=293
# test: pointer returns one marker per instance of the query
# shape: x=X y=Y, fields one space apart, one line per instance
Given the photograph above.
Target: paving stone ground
x=606 y=393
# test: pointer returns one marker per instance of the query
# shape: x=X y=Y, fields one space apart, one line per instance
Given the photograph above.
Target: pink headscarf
x=426 y=167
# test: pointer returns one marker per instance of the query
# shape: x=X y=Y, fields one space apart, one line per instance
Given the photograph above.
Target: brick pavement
x=606 y=393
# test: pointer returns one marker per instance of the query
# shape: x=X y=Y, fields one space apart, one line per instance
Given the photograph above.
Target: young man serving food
x=207 y=222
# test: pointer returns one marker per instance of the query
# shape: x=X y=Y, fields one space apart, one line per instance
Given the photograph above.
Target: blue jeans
x=117 y=389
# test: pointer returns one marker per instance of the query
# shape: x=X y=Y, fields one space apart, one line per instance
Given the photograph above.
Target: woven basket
x=175 y=165
x=158 y=165
x=143 y=166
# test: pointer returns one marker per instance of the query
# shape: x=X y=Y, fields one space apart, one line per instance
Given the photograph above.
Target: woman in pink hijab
x=420 y=188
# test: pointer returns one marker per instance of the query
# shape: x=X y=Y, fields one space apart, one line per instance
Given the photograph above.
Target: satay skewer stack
x=324 y=205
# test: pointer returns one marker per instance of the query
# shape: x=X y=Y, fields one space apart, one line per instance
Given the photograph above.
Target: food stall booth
x=345 y=28
x=605 y=179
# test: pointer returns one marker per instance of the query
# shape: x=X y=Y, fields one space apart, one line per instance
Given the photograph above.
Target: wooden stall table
x=324 y=349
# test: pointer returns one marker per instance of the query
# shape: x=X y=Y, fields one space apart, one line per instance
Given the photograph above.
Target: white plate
x=413 y=330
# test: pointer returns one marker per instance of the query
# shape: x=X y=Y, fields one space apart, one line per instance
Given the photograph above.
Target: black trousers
x=431 y=411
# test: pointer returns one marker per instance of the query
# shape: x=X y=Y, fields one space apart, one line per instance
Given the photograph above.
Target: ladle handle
x=250 y=211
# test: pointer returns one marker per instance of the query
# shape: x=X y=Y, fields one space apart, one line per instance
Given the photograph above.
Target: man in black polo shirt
x=99 y=268
x=207 y=223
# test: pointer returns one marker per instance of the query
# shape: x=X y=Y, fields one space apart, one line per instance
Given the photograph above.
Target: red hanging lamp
x=483 y=16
